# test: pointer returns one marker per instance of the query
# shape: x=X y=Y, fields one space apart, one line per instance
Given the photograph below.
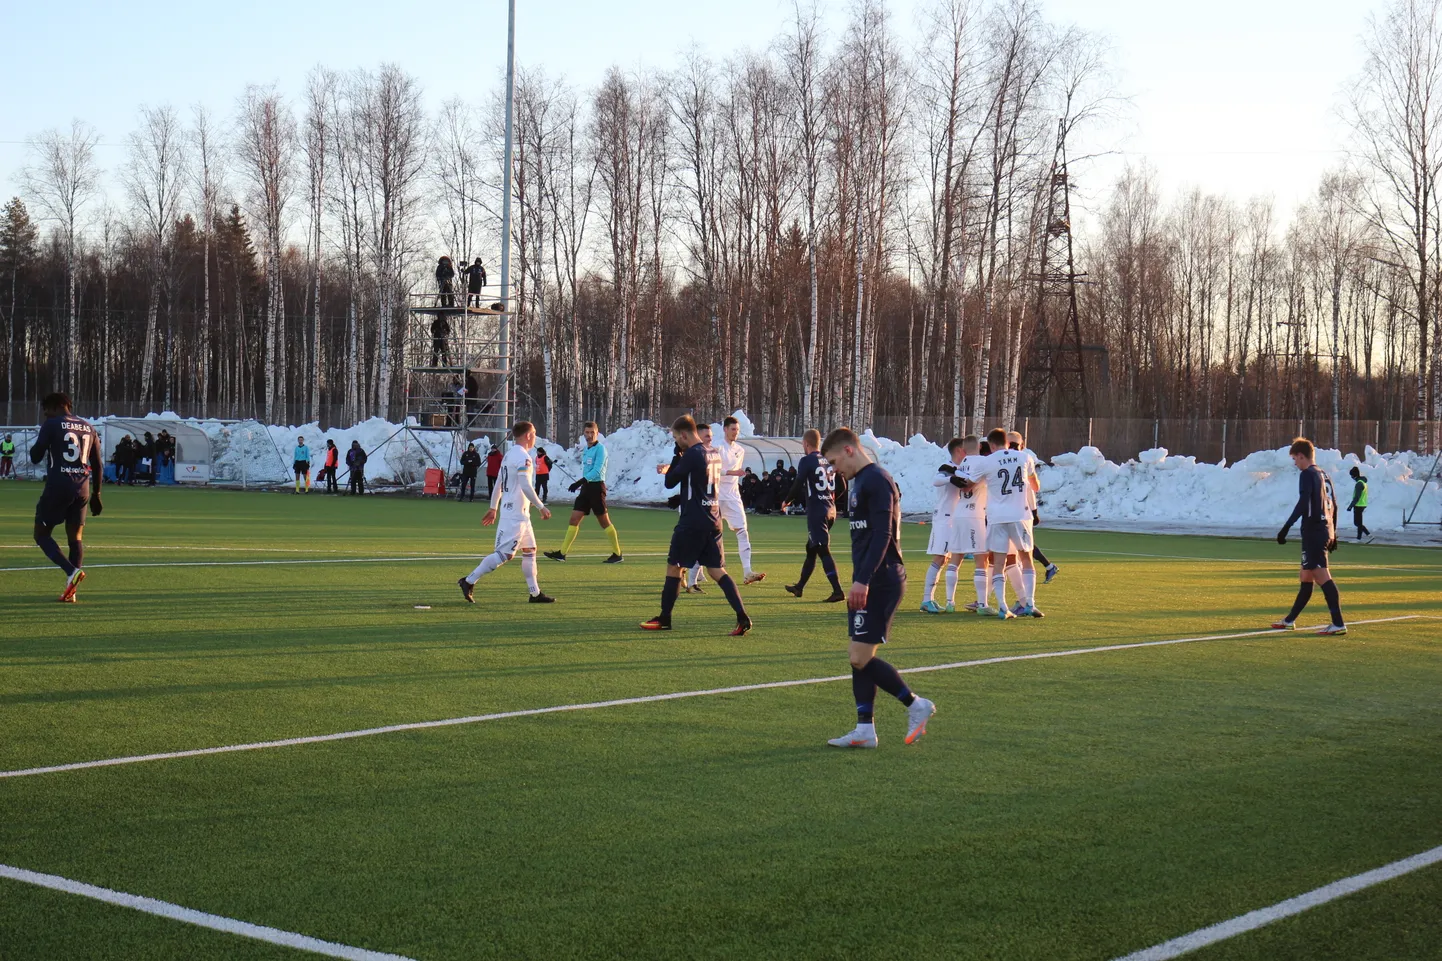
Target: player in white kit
x=1007 y=475
x=515 y=493
x=733 y=512
x=944 y=543
x=970 y=522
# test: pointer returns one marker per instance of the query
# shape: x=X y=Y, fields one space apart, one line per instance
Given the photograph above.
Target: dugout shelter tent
x=762 y=453
x=192 y=447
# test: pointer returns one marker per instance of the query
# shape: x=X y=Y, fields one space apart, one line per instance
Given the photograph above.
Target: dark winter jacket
x=470 y=463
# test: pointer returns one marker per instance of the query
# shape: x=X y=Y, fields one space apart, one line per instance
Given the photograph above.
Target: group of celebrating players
x=986 y=511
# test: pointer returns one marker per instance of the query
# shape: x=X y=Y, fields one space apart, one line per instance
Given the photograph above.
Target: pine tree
x=18 y=249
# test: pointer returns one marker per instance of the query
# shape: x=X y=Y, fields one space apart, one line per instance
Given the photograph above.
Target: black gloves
x=674 y=501
x=1331 y=545
x=959 y=483
x=95 y=506
x=1282 y=537
x=948 y=469
x=576 y=486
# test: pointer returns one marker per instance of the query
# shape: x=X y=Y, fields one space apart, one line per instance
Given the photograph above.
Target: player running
x=1017 y=442
x=697 y=538
x=515 y=491
x=816 y=482
x=1007 y=474
x=592 y=497
x=1317 y=510
x=878 y=584
x=944 y=543
x=72 y=482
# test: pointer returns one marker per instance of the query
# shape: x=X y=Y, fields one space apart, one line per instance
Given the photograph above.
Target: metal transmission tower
x=1054 y=380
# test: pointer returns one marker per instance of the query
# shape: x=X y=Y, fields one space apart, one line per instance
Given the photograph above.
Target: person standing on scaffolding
x=440 y=342
x=475 y=281
x=445 y=277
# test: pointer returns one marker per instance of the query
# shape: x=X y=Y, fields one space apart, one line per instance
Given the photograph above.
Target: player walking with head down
x=72 y=482
x=816 y=483
x=1317 y=510
x=515 y=491
x=878 y=583
x=697 y=537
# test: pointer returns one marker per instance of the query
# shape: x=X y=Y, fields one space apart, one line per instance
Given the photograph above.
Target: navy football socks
x=77 y=554
x=808 y=565
x=1334 y=601
x=887 y=678
x=1304 y=594
x=669 y=593
x=863 y=688
x=733 y=596
x=52 y=551
x=828 y=565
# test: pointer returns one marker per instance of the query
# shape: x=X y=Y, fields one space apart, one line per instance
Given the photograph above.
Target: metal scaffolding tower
x=1054 y=379
x=458 y=371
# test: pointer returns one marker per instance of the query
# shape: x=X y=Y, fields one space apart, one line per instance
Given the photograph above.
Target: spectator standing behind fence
x=470 y=467
x=355 y=462
x=7 y=457
x=475 y=281
x=493 y=469
x=445 y=277
x=1359 y=502
x=543 y=474
x=328 y=470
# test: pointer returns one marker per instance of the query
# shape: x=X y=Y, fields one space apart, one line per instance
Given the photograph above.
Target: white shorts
x=1009 y=537
x=943 y=536
x=514 y=534
x=733 y=512
x=970 y=536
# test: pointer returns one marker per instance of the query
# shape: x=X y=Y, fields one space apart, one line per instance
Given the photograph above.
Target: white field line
x=625 y=701
x=1239 y=560
x=175 y=912
x=1252 y=920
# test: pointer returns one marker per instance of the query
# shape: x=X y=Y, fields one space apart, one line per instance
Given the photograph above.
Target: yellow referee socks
x=615 y=540
x=571 y=533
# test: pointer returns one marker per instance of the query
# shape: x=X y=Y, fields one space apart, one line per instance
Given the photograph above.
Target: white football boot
x=917 y=715
x=859 y=737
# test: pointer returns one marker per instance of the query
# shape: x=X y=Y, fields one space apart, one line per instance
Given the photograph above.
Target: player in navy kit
x=697 y=538
x=72 y=482
x=1317 y=510
x=816 y=484
x=878 y=583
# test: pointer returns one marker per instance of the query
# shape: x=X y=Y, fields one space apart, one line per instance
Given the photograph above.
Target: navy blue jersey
x=72 y=446
x=698 y=473
x=875 y=508
x=818 y=480
x=1316 y=502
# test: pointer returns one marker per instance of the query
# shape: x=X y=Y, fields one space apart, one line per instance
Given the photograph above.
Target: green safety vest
x=7 y=448
x=1359 y=497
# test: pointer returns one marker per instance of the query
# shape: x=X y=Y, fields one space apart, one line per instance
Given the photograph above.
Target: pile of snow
x=1154 y=491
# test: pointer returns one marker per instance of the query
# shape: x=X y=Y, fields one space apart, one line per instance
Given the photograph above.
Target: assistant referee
x=591 y=498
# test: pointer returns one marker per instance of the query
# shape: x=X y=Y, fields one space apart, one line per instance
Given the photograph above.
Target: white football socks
x=488 y=563
x=1028 y=582
x=978 y=580
x=951 y=585
x=998 y=587
x=929 y=592
x=743 y=547
x=1013 y=580
x=695 y=575
x=528 y=567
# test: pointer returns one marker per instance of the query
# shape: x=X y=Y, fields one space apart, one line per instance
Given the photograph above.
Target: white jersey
x=973 y=502
x=516 y=485
x=948 y=496
x=733 y=457
x=1007 y=475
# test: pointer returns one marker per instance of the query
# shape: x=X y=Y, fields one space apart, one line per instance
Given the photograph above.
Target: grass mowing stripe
x=1252 y=920
x=321 y=560
x=626 y=701
x=175 y=912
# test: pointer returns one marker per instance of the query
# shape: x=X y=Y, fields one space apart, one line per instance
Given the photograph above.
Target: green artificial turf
x=1078 y=807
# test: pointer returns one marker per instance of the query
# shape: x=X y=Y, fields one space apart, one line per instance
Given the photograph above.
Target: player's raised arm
x=679 y=466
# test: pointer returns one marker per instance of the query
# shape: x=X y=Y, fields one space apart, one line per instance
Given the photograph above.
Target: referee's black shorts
x=592 y=498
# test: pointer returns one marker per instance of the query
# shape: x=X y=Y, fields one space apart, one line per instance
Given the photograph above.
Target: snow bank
x=1157 y=490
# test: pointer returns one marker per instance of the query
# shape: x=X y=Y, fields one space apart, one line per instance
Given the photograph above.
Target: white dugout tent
x=192 y=447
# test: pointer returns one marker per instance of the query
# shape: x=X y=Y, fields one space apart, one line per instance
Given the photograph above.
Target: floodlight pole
x=506 y=217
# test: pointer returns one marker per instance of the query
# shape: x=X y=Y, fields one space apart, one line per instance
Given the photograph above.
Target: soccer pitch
x=1063 y=807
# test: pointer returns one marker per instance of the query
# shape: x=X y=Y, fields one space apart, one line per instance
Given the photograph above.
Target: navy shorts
x=1314 y=549
x=818 y=529
x=302 y=466
x=692 y=547
x=60 y=506
x=872 y=624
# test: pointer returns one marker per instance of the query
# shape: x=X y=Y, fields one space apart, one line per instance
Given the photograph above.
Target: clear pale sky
x=1234 y=96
